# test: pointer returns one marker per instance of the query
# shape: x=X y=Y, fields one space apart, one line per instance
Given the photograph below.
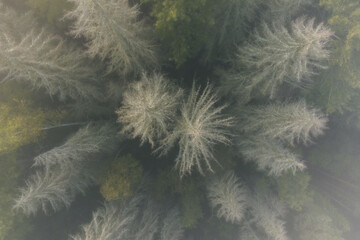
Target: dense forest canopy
x=179 y=119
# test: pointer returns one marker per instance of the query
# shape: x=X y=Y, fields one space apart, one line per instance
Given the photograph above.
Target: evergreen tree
x=149 y=106
x=276 y=55
x=229 y=197
x=292 y=122
x=44 y=60
x=200 y=126
x=114 y=33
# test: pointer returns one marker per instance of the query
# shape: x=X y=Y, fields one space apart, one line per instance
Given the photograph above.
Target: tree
x=320 y=220
x=200 y=126
x=50 y=12
x=282 y=10
x=112 y=222
x=182 y=26
x=294 y=189
x=276 y=55
x=20 y=124
x=44 y=60
x=229 y=197
x=87 y=141
x=149 y=106
x=231 y=20
x=114 y=33
x=13 y=225
x=53 y=188
x=65 y=170
x=270 y=155
x=266 y=212
x=171 y=228
x=147 y=224
x=118 y=182
x=292 y=122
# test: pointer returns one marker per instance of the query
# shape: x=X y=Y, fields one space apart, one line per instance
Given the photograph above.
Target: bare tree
x=89 y=140
x=171 y=228
x=267 y=212
x=200 y=126
x=113 y=32
x=270 y=155
x=229 y=196
x=276 y=55
x=53 y=188
x=147 y=224
x=149 y=106
x=44 y=60
x=282 y=10
x=293 y=122
x=112 y=222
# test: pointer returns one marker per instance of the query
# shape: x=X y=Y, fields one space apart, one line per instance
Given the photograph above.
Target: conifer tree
x=44 y=60
x=149 y=107
x=113 y=32
x=270 y=155
x=200 y=126
x=276 y=55
x=292 y=122
x=228 y=196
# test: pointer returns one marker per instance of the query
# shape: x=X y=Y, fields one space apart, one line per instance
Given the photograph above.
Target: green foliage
x=338 y=86
x=119 y=181
x=20 y=121
x=188 y=191
x=51 y=11
x=182 y=25
x=293 y=189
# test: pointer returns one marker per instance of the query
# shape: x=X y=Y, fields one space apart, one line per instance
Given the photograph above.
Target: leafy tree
x=20 y=124
x=149 y=106
x=200 y=126
x=232 y=18
x=171 y=228
x=44 y=60
x=292 y=122
x=276 y=55
x=112 y=222
x=182 y=25
x=270 y=155
x=188 y=192
x=229 y=196
x=338 y=88
x=118 y=182
x=114 y=33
